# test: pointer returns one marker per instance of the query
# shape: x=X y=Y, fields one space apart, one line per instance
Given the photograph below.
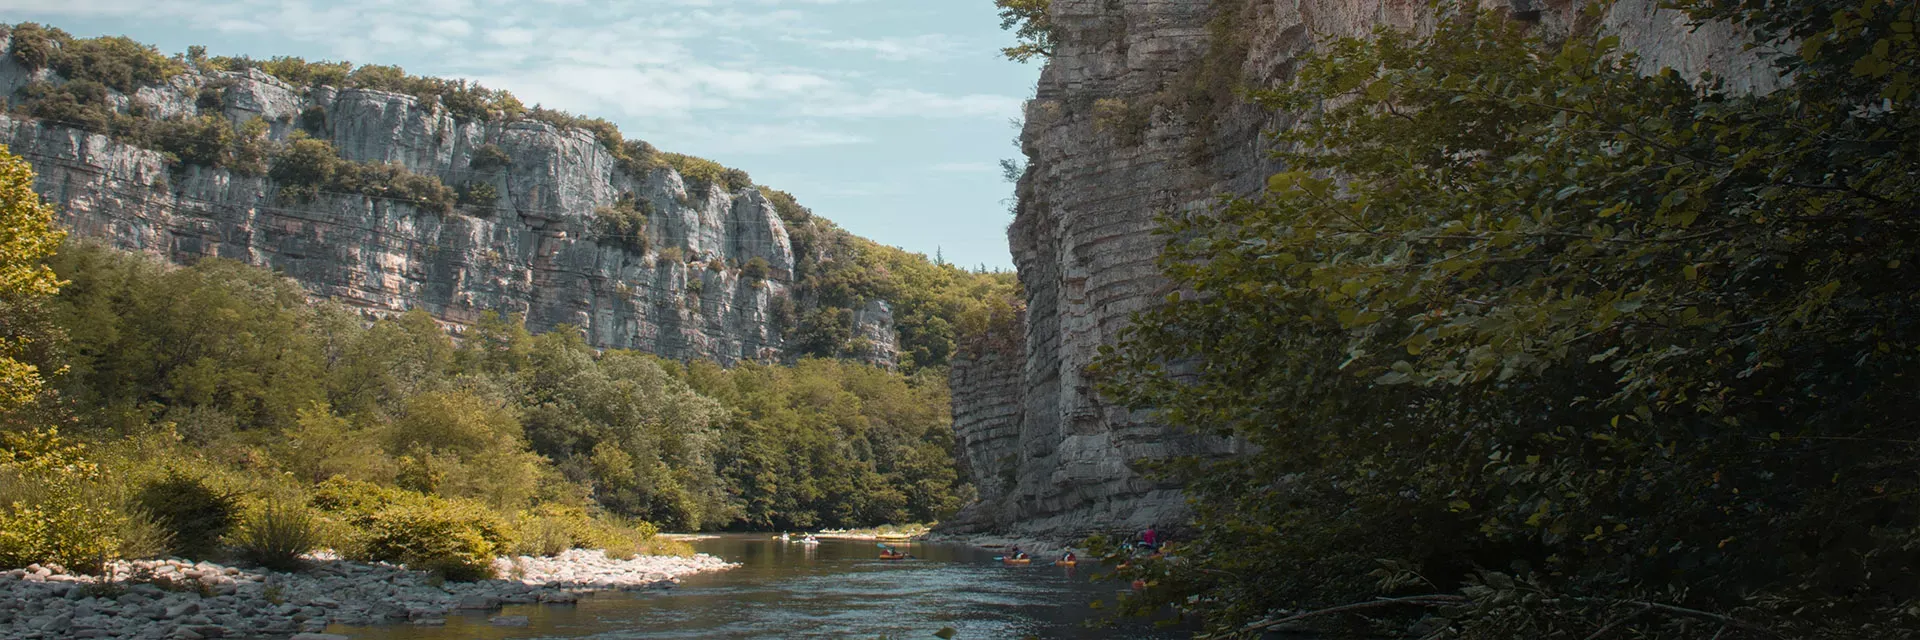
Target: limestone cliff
x=530 y=250
x=1136 y=114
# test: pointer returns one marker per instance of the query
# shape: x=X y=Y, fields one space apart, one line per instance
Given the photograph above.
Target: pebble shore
x=185 y=600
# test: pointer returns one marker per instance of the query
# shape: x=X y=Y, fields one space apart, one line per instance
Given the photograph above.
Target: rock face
x=1135 y=116
x=531 y=251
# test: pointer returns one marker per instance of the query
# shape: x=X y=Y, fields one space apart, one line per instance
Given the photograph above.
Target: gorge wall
x=1136 y=114
x=531 y=250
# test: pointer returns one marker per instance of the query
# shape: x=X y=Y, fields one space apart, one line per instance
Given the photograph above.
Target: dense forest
x=1529 y=343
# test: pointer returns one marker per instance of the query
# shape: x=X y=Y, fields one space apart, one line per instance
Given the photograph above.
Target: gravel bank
x=184 y=600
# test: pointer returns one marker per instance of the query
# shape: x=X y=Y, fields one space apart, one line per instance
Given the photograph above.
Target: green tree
x=27 y=237
x=1553 y=348
x=1032 y=26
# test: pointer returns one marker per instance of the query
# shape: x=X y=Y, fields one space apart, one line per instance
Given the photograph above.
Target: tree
x=1551 y=348
x=1032 y=27
x=27 y=237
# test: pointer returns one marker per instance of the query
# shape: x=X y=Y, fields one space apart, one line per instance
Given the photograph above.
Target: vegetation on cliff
x=1565 y=351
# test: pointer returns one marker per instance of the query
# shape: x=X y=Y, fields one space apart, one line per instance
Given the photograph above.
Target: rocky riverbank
x=184 y=600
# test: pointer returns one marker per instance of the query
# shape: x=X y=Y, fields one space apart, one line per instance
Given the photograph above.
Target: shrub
x=624 y=223
x=756 y=268
x=141 y=536
x=49 y=509
x=206 y=140
x=702 y=174
x=195 y=513
x=479 y=195
x=276 y=535
x=34 y=46
x=314 y=119
x=670 y=255
x=304 y=166
x=298 y=72
x=457 y=540
x=487 y=157
x=115 y=61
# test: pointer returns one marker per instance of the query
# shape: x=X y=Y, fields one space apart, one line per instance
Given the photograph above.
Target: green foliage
x=220 y=338
x=27 y=237
x=455 y=539
x=1032 y=26
x=479 y=195
x=34 y=45
x=195 y=513
x=838 y=272
x=703 y=174
x=624 y=223
x=300 y=73
x=756 y=268
x=1560 y=343
x=51 y=509
x=114 y=61
x=488 y=157
x=276 y=534
x=308 y=167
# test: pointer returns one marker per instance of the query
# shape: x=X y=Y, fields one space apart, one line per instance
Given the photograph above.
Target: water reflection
x=837 y=589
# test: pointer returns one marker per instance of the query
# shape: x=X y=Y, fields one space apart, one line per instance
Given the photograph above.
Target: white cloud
x=923 y=47
x=966 y=167
x=909 y=103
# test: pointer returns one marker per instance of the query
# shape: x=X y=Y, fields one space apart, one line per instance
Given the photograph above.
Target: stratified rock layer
x=1129 y=122
x=531 y=251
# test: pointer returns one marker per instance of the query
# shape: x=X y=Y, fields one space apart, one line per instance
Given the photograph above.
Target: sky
x=888 y=117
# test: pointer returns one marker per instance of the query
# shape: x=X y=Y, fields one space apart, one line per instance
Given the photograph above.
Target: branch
x=1619 y=621
x=1426 y=600
x=1696 y=613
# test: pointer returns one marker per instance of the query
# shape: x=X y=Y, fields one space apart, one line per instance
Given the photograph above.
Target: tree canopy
x=27 y=237
x=1550 y=347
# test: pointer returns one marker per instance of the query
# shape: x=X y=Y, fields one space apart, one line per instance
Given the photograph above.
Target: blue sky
x=886 y=116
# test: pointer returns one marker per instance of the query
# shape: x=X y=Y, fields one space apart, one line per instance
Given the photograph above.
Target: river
x=838 y=589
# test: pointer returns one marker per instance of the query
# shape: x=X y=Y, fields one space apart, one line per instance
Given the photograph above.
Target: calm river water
x=839 y=589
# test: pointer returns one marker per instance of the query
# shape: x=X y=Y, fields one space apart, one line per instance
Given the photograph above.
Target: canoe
x=893 y=556
x=1018 y=560
x=1065 y=563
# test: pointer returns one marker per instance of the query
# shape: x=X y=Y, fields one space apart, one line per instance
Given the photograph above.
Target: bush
x=115 y=61
x=756 y=268
x=487 y=157
x=276 y=535
x=50 y=511
x=314 y=119
x=457 y=540
x=308 y=166
x=193 y=512
x=479 y=195
x=34 y=45
x=206 y=141
x=624 y=223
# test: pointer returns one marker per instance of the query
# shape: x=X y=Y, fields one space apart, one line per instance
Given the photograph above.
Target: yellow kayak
x=1018 y=561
